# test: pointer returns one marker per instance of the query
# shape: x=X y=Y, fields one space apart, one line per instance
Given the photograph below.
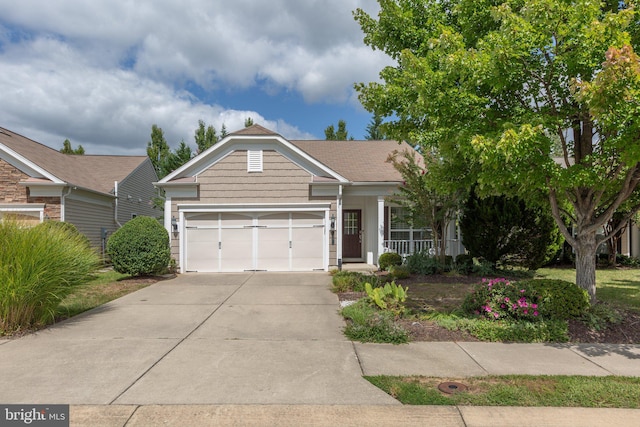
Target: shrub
x=507 y=230
x=423 y=263
x=500 y=299
x=389 y=259
x=39 y=266
x=463 y=264
x=510 y=330
x=399 y=271
x=140 y=247
x=367 y=324
x=351 y=281
x=390 y=297
x=559 y=299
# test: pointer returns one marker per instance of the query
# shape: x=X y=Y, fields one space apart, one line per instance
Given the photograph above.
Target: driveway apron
x=246 y=338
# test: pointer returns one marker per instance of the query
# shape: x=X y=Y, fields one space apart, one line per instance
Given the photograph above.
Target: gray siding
x=90 y=217
x=138 y=185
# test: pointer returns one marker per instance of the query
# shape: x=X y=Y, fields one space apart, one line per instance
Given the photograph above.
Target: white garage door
x=280 y=241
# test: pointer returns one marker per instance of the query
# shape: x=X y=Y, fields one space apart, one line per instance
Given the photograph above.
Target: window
x=254 y=160
x=400 y=228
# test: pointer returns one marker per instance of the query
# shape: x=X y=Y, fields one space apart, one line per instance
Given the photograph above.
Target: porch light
x=174 y=224
x=332 y=227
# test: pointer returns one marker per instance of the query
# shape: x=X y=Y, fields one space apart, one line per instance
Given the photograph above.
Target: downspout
x=62 y=204
x=115 y=211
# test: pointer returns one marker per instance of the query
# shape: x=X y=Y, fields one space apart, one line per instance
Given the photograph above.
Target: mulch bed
x=625 y=332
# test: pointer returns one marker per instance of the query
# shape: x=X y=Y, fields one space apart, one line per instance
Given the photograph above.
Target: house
x=257 y=201
x=97 y=194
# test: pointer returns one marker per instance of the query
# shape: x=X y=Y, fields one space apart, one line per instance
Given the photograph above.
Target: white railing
x=409 y=247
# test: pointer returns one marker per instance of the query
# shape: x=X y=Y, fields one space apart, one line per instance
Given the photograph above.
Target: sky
x=100 y=73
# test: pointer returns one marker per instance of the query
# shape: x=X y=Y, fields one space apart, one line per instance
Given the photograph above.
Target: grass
x=619 y=287
x=105 y=287
x=517 y=390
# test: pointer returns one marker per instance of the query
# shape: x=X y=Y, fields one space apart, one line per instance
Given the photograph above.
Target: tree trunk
x=586 y=263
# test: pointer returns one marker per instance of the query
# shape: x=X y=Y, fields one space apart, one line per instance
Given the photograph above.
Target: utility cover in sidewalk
x=452 y=387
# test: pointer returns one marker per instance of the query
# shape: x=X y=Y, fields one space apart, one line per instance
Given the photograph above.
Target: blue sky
x=100 y=73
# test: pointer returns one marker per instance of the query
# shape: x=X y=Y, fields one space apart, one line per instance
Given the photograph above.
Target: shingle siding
x=229 y=182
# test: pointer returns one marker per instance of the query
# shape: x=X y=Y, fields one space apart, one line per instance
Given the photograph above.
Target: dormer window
x=254 y=160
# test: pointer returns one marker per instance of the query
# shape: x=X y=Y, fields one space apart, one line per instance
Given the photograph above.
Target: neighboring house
x=97 y=194
x=257 y=201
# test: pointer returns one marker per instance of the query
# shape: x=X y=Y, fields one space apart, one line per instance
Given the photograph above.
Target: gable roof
x=254 y=130
x=358 y=161
x=93 y=172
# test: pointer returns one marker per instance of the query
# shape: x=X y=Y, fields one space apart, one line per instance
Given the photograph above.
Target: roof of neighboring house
x=93 y=172
x=358 y=161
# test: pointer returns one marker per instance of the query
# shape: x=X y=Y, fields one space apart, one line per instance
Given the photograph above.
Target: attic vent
x=254 y=160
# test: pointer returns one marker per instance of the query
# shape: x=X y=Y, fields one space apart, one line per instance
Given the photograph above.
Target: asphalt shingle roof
x=94 y=172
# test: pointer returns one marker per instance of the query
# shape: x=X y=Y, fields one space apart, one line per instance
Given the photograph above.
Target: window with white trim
x=254 y=160
x=400 y=229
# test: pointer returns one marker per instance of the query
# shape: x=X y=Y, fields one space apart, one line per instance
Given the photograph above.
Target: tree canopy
x=495 y=86
x=68 y=149
x=331 y=134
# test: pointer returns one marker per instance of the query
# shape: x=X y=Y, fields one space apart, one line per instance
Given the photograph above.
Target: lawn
x=107 y=286
x=517 y=390
x=619 y=287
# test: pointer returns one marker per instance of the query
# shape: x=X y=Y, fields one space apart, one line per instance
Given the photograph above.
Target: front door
x=352 y=233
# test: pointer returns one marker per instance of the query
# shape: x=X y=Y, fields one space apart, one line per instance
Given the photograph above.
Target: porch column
x=380 y=228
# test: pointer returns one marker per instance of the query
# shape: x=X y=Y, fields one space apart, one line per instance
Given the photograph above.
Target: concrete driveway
x=247 y=338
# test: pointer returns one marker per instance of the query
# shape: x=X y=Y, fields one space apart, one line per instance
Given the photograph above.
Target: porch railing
x=409 y=247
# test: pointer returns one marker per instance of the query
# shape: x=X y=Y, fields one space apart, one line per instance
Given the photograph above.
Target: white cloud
x=102 y=72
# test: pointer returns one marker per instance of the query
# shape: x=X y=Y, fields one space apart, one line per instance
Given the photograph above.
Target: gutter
x=115 y=210
x=63 y=206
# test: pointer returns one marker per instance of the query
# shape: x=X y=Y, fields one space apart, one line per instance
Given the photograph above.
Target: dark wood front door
x=352 y=234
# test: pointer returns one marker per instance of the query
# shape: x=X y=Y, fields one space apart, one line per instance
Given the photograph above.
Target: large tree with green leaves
x=494 y=85
x=158 y=150
x=205 y=136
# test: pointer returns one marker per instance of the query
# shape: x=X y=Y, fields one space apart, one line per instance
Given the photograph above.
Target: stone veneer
x=12 y=192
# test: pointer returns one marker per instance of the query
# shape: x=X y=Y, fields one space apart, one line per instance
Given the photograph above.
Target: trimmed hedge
x=140 y=247
x=559 y=299
x=389 y=259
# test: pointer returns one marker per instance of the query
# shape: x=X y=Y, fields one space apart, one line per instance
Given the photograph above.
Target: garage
x=260 y=241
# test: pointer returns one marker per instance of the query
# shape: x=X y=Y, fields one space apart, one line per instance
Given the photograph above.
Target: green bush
x=390 y=297
x=559 y=299
x=499 y=299
x=351 y=281
x=39 y=266
x=399 y=272
x=140 y=247
x=367 y=324
x=423 y=263
x=389 y=259
x=509 y=330
x=463 y=264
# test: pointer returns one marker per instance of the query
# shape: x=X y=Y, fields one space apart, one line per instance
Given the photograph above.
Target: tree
x=492 y=83
x=506 y=230
x=248 y=122
x=205 y=136
x=175 y=159
x=68 y=149
x=158 y=150
x=340 y=135
x=426 y=206
x=374 y=132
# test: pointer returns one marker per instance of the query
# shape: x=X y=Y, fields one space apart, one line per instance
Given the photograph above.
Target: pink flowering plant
x=499 y=299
